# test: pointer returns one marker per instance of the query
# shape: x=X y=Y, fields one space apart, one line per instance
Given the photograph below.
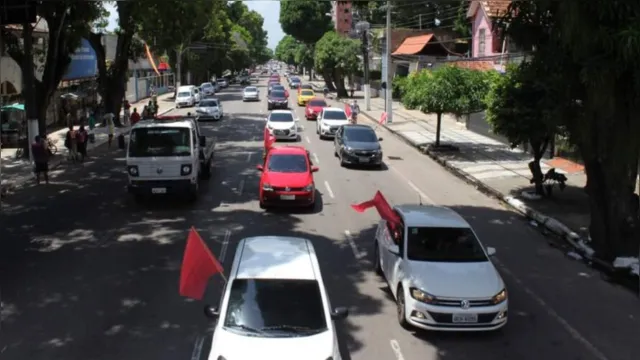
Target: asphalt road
x=87 y=274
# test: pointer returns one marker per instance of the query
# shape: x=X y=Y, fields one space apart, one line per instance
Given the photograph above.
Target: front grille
x=278 y=188
x=281 y=132
x=161 y=183
x=333 y=129
x=448 y=318
x=457 y=302
x=364 y=153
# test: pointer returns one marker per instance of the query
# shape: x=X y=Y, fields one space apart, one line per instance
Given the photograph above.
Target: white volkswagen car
x=329 y=121
x=275 y=305
x=439 y=272
x=283 y=125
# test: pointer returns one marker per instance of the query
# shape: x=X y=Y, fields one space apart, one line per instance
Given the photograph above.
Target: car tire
x=377 y=267
x=342 y=163
x=262 y=205
x=401 y=308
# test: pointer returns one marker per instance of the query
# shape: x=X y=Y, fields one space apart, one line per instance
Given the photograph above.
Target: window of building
x=482 y=41
x=346 y=11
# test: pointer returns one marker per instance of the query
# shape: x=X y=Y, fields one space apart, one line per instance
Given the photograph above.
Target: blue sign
x=84 y=63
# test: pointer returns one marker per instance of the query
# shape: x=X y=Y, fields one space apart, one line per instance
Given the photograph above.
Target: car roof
x=163 y=123
x=289 y=149
x=278 y=84
x=330 y=109
x=307 y=86
x=281 y=112
x=276 y=257
x=206 y=83
x=357 y=126
x=431 y=216
x=317 y=99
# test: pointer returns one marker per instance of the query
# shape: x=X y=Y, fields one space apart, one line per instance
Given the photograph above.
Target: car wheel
x=377 y=267
x=262 y=205
x=342 y=163
x=401 y=308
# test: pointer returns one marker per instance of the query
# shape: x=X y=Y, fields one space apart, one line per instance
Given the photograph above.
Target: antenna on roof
x=419 y=199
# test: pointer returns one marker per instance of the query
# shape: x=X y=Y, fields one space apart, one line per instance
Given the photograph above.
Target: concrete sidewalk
x=17 y=171
x=492 y=167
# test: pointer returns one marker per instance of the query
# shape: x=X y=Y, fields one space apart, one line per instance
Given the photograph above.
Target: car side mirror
x=339 y=313
x=260 y=167
x=211 y=312
x=202 y=140
x=315 y=169
x=380 y=139
x=491 y=251
x=394 y=249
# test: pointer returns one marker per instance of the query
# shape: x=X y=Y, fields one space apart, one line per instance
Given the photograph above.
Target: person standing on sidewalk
x=71 y=143
x=40 y=159
x=83 y=139
x=127 y=111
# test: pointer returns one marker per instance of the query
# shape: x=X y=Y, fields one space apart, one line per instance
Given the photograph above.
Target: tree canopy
x=305 y=20
x=337 y=56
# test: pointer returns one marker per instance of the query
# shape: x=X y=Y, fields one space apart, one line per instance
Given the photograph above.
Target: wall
x=481 y=21
x=342 y=18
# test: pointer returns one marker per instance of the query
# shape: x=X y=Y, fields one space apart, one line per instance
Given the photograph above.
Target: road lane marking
x=396 y=349
x=197 y=348
x=241 y=187
x=413 y=186
x=315 y=158
x=249 y=157
x=225 y=245
x=359 y=255
x=306 y=138
x=326 y=184
x=552 y=313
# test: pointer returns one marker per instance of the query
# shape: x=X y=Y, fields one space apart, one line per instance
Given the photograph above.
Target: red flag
x=347 y=110
x=382 y=206
x=383 y=118
x=269 y=140
x=198 y=265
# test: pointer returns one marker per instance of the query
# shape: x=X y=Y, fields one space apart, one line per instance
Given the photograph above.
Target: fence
x=140 y=88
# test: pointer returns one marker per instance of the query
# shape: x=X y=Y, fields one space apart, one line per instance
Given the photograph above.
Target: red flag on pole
x=382 y=206
x=347 y=110
x=383 y=118
x=269 y=140
x=198 y=265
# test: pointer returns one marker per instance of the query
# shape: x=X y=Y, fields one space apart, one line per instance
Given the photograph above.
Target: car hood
x=234 y=346
x=315 y=108
x=335 y=122
x=281 y=125
x=456 y=280
x=288 y=179
x=360 y=145
x=208 y=108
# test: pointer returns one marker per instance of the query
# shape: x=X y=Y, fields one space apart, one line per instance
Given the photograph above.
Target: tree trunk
x=538 y=150
x=338 y=78
x=438 y=128
x=328 y=79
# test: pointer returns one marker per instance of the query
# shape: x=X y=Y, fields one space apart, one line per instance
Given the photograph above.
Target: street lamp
x=362 y=27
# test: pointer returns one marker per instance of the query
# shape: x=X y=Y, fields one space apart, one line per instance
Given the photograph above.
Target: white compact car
x=209 y=109
x=439 y=272
x=251 y=93
x=329 y=121
x=207 y=89
x=283 y=125
x=275 y=305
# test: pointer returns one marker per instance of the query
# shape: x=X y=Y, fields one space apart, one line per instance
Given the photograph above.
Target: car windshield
x=278 y=87
x=295 y=79
x=160 y=141
x=257 y=306
x=360 y=135
x=206 y=85
x=251 y=89
x=443 y=245
x=208 y=103
x=334 y=115
x=281 y=117
x=320 y=103
x=307 y=93
x=184 y=94
x=288 y=163
x=277 y=93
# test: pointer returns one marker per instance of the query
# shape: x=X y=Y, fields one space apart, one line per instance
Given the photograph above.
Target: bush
x=399 y=84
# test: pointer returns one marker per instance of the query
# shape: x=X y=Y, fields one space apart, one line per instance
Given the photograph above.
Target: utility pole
x=420 y=20
x=387 y=58
x=363 y=28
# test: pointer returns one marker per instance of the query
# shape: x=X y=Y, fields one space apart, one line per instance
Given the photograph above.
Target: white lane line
x=197 y=348
x=396 y=349
x=553 y=314
x=249 y=157
x=306 y=138
x=359 y=255
x=241 y=187
x=413 y=186
x=315 y=158
x=326 y=184
x=225 y=246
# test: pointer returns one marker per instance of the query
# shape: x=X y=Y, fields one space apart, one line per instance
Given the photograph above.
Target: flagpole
x=223 y=277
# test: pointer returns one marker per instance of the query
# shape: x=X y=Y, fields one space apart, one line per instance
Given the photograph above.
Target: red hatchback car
x=287 y=178
x=313 y=108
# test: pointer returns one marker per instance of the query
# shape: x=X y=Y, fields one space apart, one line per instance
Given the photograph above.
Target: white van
x=187 y=95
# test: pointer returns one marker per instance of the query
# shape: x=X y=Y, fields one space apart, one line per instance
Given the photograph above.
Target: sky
x=269 y=9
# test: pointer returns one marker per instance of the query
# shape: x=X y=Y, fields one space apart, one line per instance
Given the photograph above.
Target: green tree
x=517 y=109
x=286 y=50
x=595 y=82
x=305 y=20
x=304 y=57
x=448 y=89
x=336 y=57
x=67 y=21
x=253 y=22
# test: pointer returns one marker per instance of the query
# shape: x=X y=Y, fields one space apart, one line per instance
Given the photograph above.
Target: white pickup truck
x=168 y=155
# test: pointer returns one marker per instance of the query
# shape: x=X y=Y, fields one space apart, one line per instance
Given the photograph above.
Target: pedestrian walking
x=83 y=140
x=71 y=143
x=40 y=159
x=111 y=127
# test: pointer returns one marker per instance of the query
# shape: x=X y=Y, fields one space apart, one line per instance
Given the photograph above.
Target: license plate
x=287 y=197
x=159 y=191
x=465 y=318
x=363 y=159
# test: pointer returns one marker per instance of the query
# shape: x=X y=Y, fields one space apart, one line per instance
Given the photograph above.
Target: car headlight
x=500 y=297
x=421 y=295
x=185 y=170
x=308 y=188
x=132 y=170
x=348 y=149
x=267 y=187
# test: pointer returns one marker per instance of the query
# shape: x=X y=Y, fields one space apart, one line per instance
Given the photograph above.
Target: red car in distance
x=313 y=108
x=287 y=178
x=275 y=78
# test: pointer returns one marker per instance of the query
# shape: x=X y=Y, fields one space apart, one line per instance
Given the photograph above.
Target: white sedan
x=251 y=93
x=329 y=121
x=283 y=125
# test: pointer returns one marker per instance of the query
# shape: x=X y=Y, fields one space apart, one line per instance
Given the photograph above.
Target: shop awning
x=15 y=106
x=413 y=45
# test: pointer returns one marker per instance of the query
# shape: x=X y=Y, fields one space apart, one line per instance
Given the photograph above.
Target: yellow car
x=305 y=95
